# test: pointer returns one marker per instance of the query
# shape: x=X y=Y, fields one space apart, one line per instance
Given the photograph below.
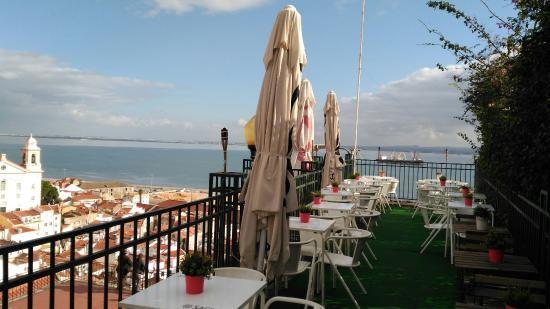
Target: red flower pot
x=316 y=200
x=468 y=202
x=335 y=189
x=510 y=307
x=381 y=174
x=496 y=256
x=357 y=177
x=442 y=182
x=194 y=284
x=304 y=217
x=465 y=191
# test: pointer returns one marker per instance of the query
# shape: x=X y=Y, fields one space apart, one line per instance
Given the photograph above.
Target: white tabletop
x=328 y=191
x=170 y=293
x=477 y=196
x=460 y=205
x=333 y=206
x=314 y=225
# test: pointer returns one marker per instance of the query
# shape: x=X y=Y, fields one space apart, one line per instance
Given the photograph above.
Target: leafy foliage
x=517 y=297
x=49 y=194
x=316 y=193
x=495 y=241
x=196 y=264
x=505 y=89
x=482 y=212
x=306 y=209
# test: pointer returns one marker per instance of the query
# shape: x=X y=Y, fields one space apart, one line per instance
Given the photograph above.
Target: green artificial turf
x=402 y=277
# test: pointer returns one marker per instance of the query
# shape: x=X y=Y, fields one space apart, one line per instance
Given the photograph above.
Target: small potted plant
x=335 y=185
x=442 y=180
x=305 y=213
x=496 y=245
x=316 y=197
x=464 y=189
x=517 y=298
x=196 y=267
x=381 y=172
x=468 y=200
x=357 y=176
x=481 y=214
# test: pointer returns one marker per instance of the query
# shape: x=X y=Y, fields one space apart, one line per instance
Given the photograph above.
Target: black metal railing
x=209 y=225
x=409 y=173
x=528 y=221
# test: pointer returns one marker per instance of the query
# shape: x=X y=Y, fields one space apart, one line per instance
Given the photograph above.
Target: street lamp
x=225 y=137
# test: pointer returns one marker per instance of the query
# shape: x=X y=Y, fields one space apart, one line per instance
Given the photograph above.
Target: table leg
x=323 y=271
x=451 y=220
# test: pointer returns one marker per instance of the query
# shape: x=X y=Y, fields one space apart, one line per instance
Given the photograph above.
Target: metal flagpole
x=354 y=152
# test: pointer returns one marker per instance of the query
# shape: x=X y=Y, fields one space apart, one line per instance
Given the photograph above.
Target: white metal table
x=319 y=226
x=219 y=292
x=340 y=196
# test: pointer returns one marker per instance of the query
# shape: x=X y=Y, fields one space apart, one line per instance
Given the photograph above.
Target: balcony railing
x=529 y=223
x=209 y=225
x=409 y=173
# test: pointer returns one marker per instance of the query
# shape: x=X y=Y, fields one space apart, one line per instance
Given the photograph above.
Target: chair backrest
x=367 y=201
x=291 y=300
x=240 y=273
x=357 y=238
x=393 y=187
x=294 y=258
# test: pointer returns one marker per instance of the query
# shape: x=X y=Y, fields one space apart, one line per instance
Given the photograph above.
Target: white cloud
x=183 y=6
x=242 y=122
x=38 y=91
x=416 y=110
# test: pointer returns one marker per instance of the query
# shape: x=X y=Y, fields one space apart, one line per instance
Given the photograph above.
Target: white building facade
x=21 y=184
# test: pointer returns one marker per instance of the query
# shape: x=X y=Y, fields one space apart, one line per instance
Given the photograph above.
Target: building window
x=33 y=158
x=3 y=185
x=18 y=186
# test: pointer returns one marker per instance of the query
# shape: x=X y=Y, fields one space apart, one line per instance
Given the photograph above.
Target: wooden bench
x=496 y=288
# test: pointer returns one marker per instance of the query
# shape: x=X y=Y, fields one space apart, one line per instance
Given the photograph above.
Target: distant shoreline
x=385 y=149
x=155 y=188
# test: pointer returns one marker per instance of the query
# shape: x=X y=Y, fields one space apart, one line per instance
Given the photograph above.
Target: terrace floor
x=402 y=278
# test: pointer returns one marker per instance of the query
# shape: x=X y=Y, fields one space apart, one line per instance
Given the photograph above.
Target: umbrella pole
x=354 y=152
x=261 y=250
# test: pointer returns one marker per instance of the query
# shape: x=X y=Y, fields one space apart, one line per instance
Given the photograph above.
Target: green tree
x=49 y=194
x=505 y=89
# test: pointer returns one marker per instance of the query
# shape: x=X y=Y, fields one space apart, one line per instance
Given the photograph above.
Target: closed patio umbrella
x=270 y=190
x=332 y=170
x=303 y=130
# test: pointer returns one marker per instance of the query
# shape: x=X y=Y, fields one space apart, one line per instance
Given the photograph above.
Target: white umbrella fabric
x=304 y=129
x=332 y=169
x=270 y=190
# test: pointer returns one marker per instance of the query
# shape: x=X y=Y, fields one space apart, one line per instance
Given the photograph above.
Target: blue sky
x=185 y=68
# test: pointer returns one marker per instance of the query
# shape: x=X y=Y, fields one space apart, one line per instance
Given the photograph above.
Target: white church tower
x=21 y=184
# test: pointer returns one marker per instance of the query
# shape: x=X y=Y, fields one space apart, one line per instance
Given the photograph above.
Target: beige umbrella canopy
x=270 y=190
x=332 y=170
x=302 y=140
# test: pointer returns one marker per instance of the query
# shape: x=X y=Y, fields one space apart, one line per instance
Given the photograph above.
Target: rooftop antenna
x=354 y=150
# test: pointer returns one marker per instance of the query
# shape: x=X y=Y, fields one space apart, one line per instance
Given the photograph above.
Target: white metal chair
x=243 y=273
x=392 y=191
x=437 y=205
x=291 y=300
x=296 y=265
x=355 y=239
